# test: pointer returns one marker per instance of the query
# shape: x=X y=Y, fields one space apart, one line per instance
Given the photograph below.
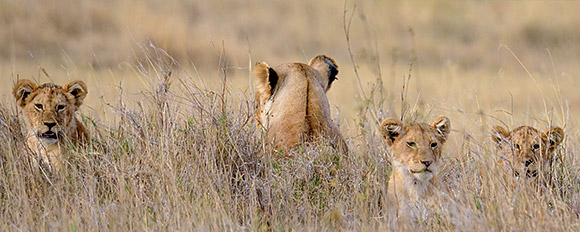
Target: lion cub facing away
x=292 y=104
x=528 y=149
x=416 y=151
x=49 y=113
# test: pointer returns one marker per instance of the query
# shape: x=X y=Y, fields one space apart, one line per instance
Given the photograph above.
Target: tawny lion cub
x=528 y=149
x=292 y=104
x=416 y=150
x=49 y=112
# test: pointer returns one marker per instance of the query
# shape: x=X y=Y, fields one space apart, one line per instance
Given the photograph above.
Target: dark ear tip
x=326 y=59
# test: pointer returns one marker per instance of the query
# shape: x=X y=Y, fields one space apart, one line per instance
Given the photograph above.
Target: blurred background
x=489 y=62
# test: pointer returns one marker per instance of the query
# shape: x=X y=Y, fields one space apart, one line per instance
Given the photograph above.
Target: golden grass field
x=180 y=152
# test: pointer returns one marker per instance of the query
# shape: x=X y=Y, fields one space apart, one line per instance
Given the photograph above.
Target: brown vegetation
x=171 y=109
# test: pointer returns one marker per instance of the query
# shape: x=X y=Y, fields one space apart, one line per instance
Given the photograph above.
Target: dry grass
x=174 y=150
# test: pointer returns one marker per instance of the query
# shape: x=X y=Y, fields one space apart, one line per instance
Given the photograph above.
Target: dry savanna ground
x=170 y=110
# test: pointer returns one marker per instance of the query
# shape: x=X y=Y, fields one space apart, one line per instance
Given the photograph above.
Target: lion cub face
x=416 y=147
x=528 y=150
x=49 y=108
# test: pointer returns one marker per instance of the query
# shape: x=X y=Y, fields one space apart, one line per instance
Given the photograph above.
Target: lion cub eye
x=411 y=144
x=536 y=146
x=38 y=106
x=517 y=146
x=60 y=107
x=433 y=145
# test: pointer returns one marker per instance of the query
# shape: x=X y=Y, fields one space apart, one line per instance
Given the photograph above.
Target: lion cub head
x=416 y=147
x=49 y=111
x=528 y=149
x=291 y=102
x=49 y=108
x=416 y=151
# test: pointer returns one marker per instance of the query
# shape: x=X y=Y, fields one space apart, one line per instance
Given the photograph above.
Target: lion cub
x=291 y=102
x=416 y=150
x=49 y=112
x=529 y=151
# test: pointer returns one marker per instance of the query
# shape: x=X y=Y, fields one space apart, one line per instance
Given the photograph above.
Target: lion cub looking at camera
x=416 y=151
x=292 y=104
x=529 y=151
x=49 y=113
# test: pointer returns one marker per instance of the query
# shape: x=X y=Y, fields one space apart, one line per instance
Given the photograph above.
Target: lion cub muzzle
x=423 y=170
x=48 y=133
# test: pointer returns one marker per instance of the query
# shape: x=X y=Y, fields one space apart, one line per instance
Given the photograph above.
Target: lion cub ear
x=327 y=69
x=391 y=128
x=78 y=89
x=442 y=125
x=22 y=90
x=267 y=79
x=499 y=134
x=555 y=135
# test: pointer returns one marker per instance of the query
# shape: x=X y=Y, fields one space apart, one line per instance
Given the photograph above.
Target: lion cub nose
x=50 y=124
x=426 y=163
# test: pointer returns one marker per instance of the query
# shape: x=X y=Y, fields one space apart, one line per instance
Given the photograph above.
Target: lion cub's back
x=300 y=106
